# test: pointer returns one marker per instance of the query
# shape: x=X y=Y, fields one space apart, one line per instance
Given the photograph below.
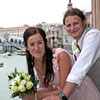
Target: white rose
x=13 y=82
x=18 y=80
x=27 y=78
x=23 y=82
x=23 y=74
x=14 y=88
x=17 y=77
x=21 y=88
x=29 y=85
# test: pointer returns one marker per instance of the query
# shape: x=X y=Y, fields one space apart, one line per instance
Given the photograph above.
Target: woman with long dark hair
x=52 y=65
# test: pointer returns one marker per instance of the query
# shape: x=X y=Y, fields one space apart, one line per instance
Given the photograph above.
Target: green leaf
x=15 y=94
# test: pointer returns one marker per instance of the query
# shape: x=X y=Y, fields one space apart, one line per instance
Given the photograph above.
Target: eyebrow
x=36 y=41
x=39 y=40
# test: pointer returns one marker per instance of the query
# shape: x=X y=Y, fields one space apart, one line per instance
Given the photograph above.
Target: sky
x=14 y=13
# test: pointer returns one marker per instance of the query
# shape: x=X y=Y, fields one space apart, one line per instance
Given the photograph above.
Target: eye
x=68 y=25
x=75 y=23
x=31 y=44
x=40 y=42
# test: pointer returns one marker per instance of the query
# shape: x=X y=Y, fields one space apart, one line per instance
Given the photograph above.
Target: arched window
x=0 y=41
x=19 y=42
x=15 y=41
x=11 y=40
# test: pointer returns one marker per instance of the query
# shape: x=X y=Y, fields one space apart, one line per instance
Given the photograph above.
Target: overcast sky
x=15 y=13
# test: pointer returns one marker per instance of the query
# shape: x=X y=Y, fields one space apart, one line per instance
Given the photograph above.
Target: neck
x=38 y=59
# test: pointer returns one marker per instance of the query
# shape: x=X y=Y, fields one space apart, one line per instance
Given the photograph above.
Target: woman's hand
x=55 y=87
x=51 y=97
x=41 y=93
x=28 y=97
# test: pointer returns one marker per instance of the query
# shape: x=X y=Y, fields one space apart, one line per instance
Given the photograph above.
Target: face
x=75 y=26
x=36 y=46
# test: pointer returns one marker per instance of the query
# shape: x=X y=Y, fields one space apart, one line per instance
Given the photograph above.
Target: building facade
x=56 y=35
x=12 y=34
x=96 y=14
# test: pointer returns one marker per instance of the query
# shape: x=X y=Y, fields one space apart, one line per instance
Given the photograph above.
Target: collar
x=80 y=42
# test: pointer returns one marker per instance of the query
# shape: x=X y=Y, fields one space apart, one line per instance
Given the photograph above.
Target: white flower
x=23 y=74
x=23 y=82
x=27 y=78
x=14 y=88
x=17 y=77
x=13 y=82
x=76 y=50
x=18 y=80
x=21 y=88
x=29 y=85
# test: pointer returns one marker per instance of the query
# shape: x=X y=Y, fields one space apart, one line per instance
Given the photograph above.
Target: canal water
x=10 y=62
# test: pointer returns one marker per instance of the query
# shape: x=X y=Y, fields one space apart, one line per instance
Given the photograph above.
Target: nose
x=36 y=46
x=72 y=27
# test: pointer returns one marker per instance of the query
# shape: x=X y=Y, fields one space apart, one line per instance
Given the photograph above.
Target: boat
x=6 y=54
x=20 y=52
x=1 y=64
x=9 y=54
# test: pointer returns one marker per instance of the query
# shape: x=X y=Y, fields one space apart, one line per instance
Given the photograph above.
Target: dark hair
x=73 y=12
x=49 y=74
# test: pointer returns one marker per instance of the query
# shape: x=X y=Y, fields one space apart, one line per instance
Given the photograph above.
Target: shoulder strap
x=77 y=46
x=88 y=29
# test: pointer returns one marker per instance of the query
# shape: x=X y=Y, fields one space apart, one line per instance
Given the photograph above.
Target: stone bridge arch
x=16 y=40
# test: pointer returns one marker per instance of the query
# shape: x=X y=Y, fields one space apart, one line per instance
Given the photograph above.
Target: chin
x=38 y=57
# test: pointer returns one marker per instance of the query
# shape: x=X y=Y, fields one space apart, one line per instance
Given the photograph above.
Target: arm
x=65 y=65
x=67 y=90
x=88 y=56
x=64 y=69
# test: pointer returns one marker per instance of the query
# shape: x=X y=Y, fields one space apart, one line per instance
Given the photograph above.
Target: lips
x=73 y=32
x=37 y=52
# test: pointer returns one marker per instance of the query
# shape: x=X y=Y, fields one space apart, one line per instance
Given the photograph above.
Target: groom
x=86 y=52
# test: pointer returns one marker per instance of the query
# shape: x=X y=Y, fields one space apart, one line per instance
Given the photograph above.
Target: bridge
x=13 y=44
x=11 y=47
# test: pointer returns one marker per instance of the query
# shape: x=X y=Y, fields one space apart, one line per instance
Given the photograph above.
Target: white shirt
x=90 y=52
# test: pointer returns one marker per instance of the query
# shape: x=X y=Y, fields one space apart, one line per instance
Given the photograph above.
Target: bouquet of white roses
x=21 y=83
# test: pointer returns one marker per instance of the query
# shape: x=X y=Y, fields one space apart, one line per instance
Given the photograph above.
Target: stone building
x=96 y=14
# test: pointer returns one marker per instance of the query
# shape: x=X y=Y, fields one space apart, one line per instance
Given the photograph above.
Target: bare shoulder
x=63 y=54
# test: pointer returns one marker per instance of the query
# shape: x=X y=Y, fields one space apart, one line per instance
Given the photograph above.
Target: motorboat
x=1 y=64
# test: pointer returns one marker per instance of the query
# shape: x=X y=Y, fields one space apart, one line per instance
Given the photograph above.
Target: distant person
x=52 y=65
x=86 y=52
